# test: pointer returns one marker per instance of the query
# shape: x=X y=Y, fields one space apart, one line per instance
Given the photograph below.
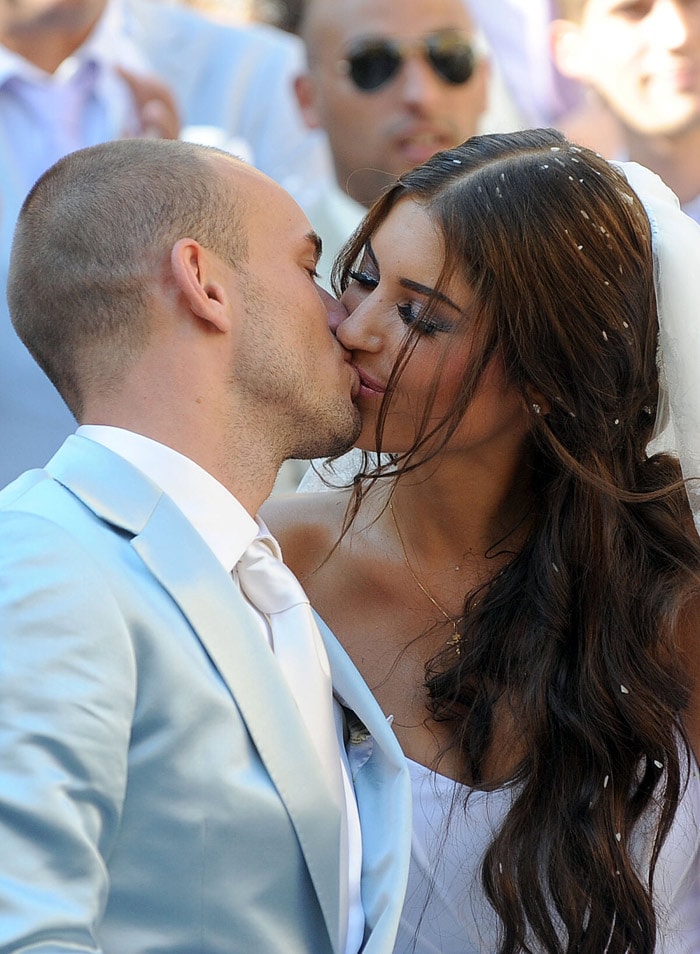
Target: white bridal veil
x=676 y=245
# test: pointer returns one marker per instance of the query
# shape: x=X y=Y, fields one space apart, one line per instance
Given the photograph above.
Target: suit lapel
x=383 y=789
x=221 y=620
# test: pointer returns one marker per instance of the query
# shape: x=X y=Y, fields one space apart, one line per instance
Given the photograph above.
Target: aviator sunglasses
x=371 y=63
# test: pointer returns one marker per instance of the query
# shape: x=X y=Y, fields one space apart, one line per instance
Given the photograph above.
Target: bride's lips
x=369 y=387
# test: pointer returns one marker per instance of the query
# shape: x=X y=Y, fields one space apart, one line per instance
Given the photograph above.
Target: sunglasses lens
x=372 y=66
x=452 y=58
x=373 y=63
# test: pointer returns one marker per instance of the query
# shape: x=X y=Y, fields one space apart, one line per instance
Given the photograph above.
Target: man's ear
x=196 y=274
x=305 y=90
x=569 y=49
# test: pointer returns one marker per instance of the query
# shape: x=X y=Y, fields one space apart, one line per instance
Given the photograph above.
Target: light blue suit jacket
x=157 y=790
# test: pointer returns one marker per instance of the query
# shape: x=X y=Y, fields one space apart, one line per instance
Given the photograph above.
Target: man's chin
x=337 y=440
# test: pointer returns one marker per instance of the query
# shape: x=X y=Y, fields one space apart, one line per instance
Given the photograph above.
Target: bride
x=517 y=575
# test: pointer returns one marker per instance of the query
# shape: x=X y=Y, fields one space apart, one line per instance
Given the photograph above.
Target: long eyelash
x=423 y=325
x=407 y=314
x=363 y=278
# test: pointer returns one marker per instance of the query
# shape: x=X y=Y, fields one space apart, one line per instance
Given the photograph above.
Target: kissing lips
x=369 y=388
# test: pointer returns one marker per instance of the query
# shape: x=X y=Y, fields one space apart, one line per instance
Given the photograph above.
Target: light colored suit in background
x=233 y=83
x=157 y=793
x=233 y=86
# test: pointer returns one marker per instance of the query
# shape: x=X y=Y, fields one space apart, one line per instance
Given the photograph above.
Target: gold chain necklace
x=456 y=637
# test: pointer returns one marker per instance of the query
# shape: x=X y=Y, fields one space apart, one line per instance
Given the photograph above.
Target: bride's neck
x=447 y=510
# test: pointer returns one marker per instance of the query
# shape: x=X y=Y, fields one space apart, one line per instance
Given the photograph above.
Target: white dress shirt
x=228 y=529
x=46 y=115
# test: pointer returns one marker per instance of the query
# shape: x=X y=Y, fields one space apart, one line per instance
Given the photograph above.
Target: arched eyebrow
x=430 y=292
x=416 y=286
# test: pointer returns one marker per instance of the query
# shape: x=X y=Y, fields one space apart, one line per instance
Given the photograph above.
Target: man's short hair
x=91 y=235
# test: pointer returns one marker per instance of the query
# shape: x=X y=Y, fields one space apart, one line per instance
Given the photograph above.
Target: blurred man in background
x=391 y=82
x=642 y=61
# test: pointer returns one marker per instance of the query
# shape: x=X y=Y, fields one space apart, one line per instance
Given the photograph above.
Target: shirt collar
x=109 y=43
x=107 y=46
x=224 y=524
x=12 y=65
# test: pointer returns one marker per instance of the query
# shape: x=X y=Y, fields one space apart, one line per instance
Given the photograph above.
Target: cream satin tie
x=272 y=588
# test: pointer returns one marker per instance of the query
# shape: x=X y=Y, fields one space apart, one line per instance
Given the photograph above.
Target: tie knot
x=265 y=581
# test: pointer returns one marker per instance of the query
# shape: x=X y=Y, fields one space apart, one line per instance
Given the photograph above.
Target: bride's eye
x=363 y=278
x=411 y=315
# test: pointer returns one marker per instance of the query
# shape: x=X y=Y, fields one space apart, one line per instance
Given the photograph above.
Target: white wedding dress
x=446 y=911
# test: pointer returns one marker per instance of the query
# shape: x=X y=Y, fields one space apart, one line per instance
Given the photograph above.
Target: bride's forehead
x=408 y=233
x=410 y=244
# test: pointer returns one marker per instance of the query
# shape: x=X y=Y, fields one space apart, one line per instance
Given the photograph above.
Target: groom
x=159 y=788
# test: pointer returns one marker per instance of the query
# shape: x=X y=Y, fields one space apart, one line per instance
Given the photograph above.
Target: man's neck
x=47 y=45
x=675 y=158
x=47 y=53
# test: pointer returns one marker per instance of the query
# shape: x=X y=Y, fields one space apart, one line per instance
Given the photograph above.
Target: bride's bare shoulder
x=307 y=526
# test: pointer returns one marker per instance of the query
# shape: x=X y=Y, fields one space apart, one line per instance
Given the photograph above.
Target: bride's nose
x=361 y=330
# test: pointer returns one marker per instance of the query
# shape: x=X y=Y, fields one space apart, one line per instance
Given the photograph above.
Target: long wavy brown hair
x=580 y=626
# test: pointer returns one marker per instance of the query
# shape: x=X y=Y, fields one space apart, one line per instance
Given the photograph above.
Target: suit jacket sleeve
x=67 y=689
